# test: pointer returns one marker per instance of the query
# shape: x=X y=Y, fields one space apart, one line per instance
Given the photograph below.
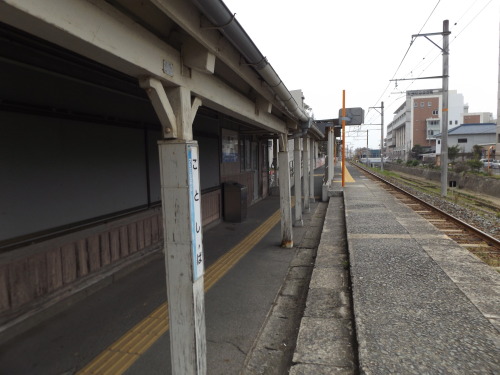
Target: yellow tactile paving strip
x=120 y=355
x=347 y=177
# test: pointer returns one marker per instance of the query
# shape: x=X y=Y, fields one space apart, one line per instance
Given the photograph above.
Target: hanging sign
x=353 y=116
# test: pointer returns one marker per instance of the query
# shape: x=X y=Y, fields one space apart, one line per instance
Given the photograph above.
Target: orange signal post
x=343 y=138
x=488 y=162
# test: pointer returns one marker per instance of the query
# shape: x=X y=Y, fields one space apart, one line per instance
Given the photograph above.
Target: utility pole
x=444 y=128
x=444 y=133
x=382 y=137
x=367 y=148
x=343 y=138
x=381 y=133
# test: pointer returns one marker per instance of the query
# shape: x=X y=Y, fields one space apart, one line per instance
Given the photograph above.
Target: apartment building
x=417 y=121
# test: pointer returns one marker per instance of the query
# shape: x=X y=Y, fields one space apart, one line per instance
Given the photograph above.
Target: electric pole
x=381 y=133
x=444 y=127
x=382 y=137
x=444 y=133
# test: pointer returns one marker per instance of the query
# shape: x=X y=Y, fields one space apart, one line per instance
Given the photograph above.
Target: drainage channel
x=274 y=347
x=311 y=328
x=326 y=342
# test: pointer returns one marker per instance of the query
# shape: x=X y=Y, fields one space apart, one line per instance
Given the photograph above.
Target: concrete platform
x=422 y=304
x=388 y=294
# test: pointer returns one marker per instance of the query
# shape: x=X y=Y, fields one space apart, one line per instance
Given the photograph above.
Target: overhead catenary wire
x=464 y=13
x=406 y=54
x=433 y=50
x=370 y=116
x=437 y=54
x=466 y=26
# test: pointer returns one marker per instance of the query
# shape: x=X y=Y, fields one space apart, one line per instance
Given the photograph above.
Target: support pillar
x=285 y=200
x=305 y=155
x=297 y=169
x=182 y=226
x=275 y=161
x=311 y=175
x=180 y=190
x=330 y=157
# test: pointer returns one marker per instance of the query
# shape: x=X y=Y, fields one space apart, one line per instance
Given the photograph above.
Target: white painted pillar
x=313 y=165
x=297 y=169
x=330 y=157
x=182 y=226
x=180 y=189
x=276 y=161
x=285 y=200
x=305 y=155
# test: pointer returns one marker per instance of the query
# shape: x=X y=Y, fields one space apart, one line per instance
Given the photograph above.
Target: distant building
x=477 y=117
x=364 y=153
x=418 y=120
x=468 y=135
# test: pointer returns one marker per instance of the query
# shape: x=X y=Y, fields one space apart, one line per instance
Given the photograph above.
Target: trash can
x=235 y=202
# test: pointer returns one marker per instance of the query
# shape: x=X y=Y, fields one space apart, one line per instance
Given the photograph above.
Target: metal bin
x=235 y=202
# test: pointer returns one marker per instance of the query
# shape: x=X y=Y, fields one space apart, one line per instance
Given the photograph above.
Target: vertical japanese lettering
x=195 y=212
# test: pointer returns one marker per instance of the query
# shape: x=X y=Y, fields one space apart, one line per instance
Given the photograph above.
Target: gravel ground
x=489 y=225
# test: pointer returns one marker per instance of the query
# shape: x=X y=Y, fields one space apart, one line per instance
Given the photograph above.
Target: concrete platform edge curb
x=325 y=343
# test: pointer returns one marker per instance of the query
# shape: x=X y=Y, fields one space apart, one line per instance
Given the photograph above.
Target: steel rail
x=492 y=241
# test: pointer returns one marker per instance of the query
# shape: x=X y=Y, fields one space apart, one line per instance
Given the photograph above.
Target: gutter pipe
x=218 y=13
x=316 y=132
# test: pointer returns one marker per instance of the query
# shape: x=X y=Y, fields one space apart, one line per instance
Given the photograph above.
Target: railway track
x=481 y=244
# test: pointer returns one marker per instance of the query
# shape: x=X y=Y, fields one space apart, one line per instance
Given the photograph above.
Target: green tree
x=416 y=150
x=475 y=165
x=461 y=166
x=453 y=152
x=477 y=152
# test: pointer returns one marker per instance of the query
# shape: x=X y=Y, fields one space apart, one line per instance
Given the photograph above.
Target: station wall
x=57 y=172
x=80 y=196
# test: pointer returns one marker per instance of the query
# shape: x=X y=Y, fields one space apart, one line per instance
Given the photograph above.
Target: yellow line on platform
x=120 y=355
x=347 y=175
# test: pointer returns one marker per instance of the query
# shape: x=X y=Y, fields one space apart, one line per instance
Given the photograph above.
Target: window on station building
x=242 y=153
x=415 y=104
x=422 y=104
x=230 y=153
x=249 y=154
x=255 y=156
x=435 y=112
x=462 y=140
x=429 y=104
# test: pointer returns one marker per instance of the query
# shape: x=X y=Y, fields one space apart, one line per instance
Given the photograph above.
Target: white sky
x=326 y=46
